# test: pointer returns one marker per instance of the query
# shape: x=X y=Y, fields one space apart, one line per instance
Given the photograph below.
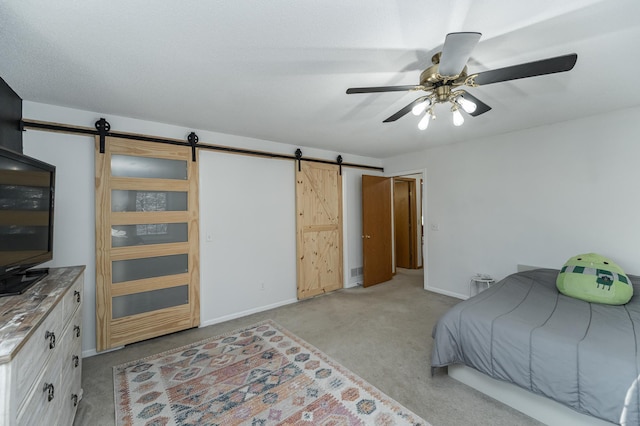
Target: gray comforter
x=522 y=330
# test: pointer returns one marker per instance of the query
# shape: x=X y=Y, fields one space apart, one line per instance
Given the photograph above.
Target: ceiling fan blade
x=456 y=51
x=530 y=69
x=382 y=89
x=405 y=110
x=481 y=107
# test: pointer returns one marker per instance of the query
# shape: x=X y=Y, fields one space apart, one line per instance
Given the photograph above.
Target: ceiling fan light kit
x=458 y=119
x=424 y=122
x=443 y=80
x=468 y=106
x=421 y=107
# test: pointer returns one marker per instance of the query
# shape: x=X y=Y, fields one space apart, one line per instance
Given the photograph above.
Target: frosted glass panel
x=137 y=269
x=148 y=301
x=143 y=234
x=148 y=201
x=144 y=167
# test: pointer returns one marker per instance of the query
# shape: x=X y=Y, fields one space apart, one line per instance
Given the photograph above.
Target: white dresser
x=41 y=351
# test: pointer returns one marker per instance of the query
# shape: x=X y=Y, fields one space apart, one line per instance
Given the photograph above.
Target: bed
x=523 y=331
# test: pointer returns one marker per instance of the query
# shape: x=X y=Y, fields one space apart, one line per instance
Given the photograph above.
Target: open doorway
x=408 y=228
x=378 y=233
x=404 y=223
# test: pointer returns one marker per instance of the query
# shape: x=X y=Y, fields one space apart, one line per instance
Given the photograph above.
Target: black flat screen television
x=26 y=220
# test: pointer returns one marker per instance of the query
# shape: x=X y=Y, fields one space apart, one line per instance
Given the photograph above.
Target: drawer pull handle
x=76 y=293
x=52 y=339
x=74 y=398
x=76 y=329
x=48 y=387
x=76 y=360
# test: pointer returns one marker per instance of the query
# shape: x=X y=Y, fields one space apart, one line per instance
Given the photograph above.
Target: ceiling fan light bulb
x=467 y=105
x=458 y=119
x=424 y=122
x=420 y=108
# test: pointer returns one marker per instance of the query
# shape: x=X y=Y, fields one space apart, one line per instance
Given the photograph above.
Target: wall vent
x=356 y=272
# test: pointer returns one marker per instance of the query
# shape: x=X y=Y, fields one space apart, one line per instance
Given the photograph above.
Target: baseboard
x=540 y=408
x=356 y=283
x=92 y=352
x=447 y=293
x=245 y=313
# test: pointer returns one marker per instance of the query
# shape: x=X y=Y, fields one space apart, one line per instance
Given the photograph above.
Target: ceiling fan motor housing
x=431 y=76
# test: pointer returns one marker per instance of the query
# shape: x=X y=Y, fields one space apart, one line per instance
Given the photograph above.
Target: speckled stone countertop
x=20 y=315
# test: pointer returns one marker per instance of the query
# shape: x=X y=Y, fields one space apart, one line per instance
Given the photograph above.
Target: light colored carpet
x=259 y=375
x=381 y=333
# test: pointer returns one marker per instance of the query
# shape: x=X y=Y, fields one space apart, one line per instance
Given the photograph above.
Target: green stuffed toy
x=594 y=278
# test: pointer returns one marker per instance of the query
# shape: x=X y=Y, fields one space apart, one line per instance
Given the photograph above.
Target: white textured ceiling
x=278 y=69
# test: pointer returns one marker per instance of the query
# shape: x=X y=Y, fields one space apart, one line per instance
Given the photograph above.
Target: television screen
x=26 y=215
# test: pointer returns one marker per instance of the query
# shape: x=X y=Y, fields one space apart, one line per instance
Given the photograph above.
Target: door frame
x=427 y=231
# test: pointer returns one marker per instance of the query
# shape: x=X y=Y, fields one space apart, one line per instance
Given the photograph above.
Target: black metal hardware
x=299 y=157
x=76 y=329
x=27 y=124
x=339 y=160
x=103 y=128
x=52 y=339
x=48 y=387
x=74 y=398
x=193 y=140
x=76 y=360
x=76 y=293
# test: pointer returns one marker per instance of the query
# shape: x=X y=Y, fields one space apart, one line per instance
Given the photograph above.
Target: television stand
x=19 y=283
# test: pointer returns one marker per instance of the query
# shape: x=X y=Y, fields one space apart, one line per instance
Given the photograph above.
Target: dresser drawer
x=70 y=396
x=72 y=299
x=71 y=346
x=43 y=402
x=39 y=340
x=34 y=354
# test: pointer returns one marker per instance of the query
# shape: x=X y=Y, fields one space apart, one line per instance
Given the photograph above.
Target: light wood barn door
x=319 y=228
x=147 y=250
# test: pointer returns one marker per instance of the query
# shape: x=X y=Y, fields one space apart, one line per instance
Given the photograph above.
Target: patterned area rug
x=261 y=375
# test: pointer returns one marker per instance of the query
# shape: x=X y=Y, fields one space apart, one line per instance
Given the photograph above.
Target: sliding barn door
x=319 y=228
x=147 y=260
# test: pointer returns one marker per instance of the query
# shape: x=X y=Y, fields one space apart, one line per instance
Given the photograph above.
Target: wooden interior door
x=404 y=218
x=319 y=228
x=376 y=230
x=147 y=250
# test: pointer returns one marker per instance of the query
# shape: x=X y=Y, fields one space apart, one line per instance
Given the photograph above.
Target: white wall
x=247 y=204
x=534 y=197
x=74 y=215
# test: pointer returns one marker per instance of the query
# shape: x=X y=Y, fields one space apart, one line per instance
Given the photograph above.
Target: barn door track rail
x=103 y=129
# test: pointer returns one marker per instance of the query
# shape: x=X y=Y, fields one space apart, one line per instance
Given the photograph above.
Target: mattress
x=523 y=331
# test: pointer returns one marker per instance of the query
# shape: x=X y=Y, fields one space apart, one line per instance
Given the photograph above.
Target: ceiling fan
x=443 y=81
